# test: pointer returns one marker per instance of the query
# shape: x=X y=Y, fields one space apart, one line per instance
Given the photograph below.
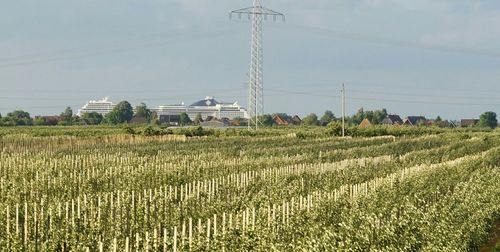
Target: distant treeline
x=124 y=113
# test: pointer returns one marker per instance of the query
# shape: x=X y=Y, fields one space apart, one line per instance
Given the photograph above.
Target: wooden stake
x=190 y=232
x=175 y=239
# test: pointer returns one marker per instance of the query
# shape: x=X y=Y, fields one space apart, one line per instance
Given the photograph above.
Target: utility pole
x=257 y=14
x=343 y=110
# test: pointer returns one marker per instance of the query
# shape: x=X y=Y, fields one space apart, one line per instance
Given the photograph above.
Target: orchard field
x=101 y=189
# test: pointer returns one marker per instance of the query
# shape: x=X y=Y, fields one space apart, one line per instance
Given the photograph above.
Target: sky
x=425 y=57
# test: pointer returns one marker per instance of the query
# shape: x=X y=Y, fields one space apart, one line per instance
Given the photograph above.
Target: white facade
x=102 y=107
x=207 y=107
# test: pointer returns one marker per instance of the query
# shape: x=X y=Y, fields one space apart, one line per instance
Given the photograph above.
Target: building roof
x=415 y=120
x=296 y=119
x=365 y=123
x=392 y=119
x=279 y=120
x=209 y=101
x=282 y=120
x=215 y=122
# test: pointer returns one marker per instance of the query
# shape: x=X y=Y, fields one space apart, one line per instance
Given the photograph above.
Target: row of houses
x=422 y=121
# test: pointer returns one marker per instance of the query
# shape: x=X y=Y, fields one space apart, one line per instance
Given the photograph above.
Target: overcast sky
x=413 y=57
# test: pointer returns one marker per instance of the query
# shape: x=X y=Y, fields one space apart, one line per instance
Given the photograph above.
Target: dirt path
x=495 y=239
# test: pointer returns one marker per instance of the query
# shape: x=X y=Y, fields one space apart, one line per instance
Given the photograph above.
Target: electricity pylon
x=257 y=14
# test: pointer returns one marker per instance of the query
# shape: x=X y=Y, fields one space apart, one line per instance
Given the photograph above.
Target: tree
x=327 y=118
x=92 y=118
x=67 y=116
x=375 y=117
x=311 y=119
x=184 y=119
x=198 y=119
x=39 y=120
x=154 y=118
x=121 y=113
x=266 y=120
x=488 y=119
x=142 y=111
x=358 y=117
x=18 y=117
x=378 y=116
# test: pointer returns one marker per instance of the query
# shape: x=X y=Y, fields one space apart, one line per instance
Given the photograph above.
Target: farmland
x=111 y=191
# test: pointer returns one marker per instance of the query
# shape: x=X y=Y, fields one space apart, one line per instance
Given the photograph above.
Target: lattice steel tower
x=257 y=14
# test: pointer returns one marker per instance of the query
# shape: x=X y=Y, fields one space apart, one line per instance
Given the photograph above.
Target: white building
x=102 y=107
x=206 y=107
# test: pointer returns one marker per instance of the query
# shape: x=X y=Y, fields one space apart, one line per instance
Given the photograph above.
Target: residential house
x=392 y=120
x=52 y=120
x=445 y=124
x=365 y=123
x=296 y=120
x=282 y=120
x=415 y=121
x=216 y=123
x=465 y=123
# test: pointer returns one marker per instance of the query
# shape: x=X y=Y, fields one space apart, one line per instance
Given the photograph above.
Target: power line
x=383 y=99
x=393 y=42
x=73 y=55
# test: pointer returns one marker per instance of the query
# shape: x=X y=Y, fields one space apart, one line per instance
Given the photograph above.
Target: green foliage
x=184 y=119
x=67 y=117
x=327 y=118
x=266 y=120
x=143 y=111
x=39 y=121
x=488 y=119
x=92 y=118
x=375 y=117
x=334 y=129
x=310 y=120
x=17 y=118
x=121 y=113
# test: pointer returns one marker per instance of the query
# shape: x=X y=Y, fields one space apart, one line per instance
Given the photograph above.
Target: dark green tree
x=488 y=120
x=142 y=111
x=18 y=117
x=121 y=113
x=184 y=120
x=358 y=117
x=66 y=117
x=327 y=118
x=311 y=119
x=375 y=117
x=266 y=120
x=92 y=118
